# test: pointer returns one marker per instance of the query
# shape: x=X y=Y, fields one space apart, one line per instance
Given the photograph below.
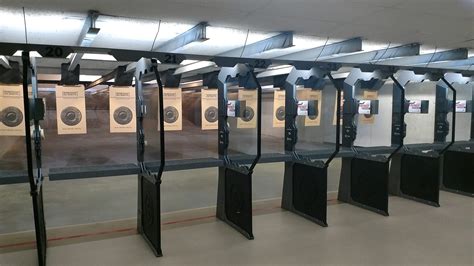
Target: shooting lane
x=305 y=179
x=239 y=113
x=457 y=162
x=415 y=170
x=364 y=173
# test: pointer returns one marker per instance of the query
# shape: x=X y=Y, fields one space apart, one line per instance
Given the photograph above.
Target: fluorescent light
x=89 y=78
x=102 y=57
x=32 y=53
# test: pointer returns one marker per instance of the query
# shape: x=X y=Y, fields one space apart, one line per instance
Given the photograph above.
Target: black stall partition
x=34 y=113
x=149 y=197
x=234 y=194
x=305 y=180
x=364 y=175
x=458 y=160
x=415 y=172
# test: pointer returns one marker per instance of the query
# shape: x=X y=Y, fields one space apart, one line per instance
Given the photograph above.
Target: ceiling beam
x=454 y=63
x=195 y=34
x=87 y=36
x=365 y=57
x=4 y=62
x=280 y=41
x=346 y=46
x=456 y=54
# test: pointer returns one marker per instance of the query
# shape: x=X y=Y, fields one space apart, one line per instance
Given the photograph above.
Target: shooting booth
x=415 y=170
x=457 y=171
x=312 y=106
x=367 y=113
x=150 y=128
x=239 y=104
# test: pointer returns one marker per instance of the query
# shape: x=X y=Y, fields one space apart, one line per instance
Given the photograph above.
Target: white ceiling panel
x=11 y=25
x=447 y=23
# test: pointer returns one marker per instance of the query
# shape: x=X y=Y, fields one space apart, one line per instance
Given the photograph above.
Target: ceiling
x=437 y=23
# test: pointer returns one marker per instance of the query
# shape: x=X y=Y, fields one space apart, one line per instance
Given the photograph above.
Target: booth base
x=149 y=212
x=234 y=199
x=458 y=172
x=40 y=227
x=416 y=176
x=364 y=183
x=305 y=190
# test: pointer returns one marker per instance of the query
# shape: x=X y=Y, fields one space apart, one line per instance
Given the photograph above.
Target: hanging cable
x=429 y=61
x=383 y=54
x=245 y=44
x=24 y=23
x=324 y=46
x=156 y=36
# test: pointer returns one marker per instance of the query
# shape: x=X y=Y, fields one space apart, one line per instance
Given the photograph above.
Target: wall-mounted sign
x=414 y=106
x=12 y=119
x=122 y=109
x=461 y=106
x=71 y=109
x=209 y=111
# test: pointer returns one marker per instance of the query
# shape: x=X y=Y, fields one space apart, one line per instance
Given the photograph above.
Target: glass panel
x=375 y=130
x=464 y=94
x=420 y=127
x=318 y=132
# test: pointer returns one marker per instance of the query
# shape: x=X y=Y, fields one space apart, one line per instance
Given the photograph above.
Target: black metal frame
x=34 y=112
x=364 y=176
x=234 y=194
x=149 y=196
x=58 y=51
x=415 y=174
x=305 y=180
x=457 y=173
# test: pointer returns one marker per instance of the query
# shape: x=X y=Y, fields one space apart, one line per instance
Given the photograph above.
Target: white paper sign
x=461 y=106
x=414 y=106
x=364 y=107
x=303 y=108
x=231 y=108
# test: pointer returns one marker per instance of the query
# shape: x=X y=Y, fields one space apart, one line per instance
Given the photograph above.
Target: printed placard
x=314 y=120
x=231 y=108
x=122 y=109
x=249 y=119
x=302 y=108
x=172 y=111
x=279 y=108
x=12 y=118
x=414 y=106
x=364 y=107
x=461 y=106
x=209 y=111
x=71 y=110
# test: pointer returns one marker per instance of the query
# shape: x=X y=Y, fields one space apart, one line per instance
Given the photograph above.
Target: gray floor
x=414 y=234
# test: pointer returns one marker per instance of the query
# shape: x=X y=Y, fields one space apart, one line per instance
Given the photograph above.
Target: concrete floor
x=414 y=234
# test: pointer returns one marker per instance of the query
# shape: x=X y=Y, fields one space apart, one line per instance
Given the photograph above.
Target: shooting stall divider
x=234 y=193
x=415 y=173
x=149 y=195
x=305 y=180
x=364 y=176
x=34 y=112
x=457 y=171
